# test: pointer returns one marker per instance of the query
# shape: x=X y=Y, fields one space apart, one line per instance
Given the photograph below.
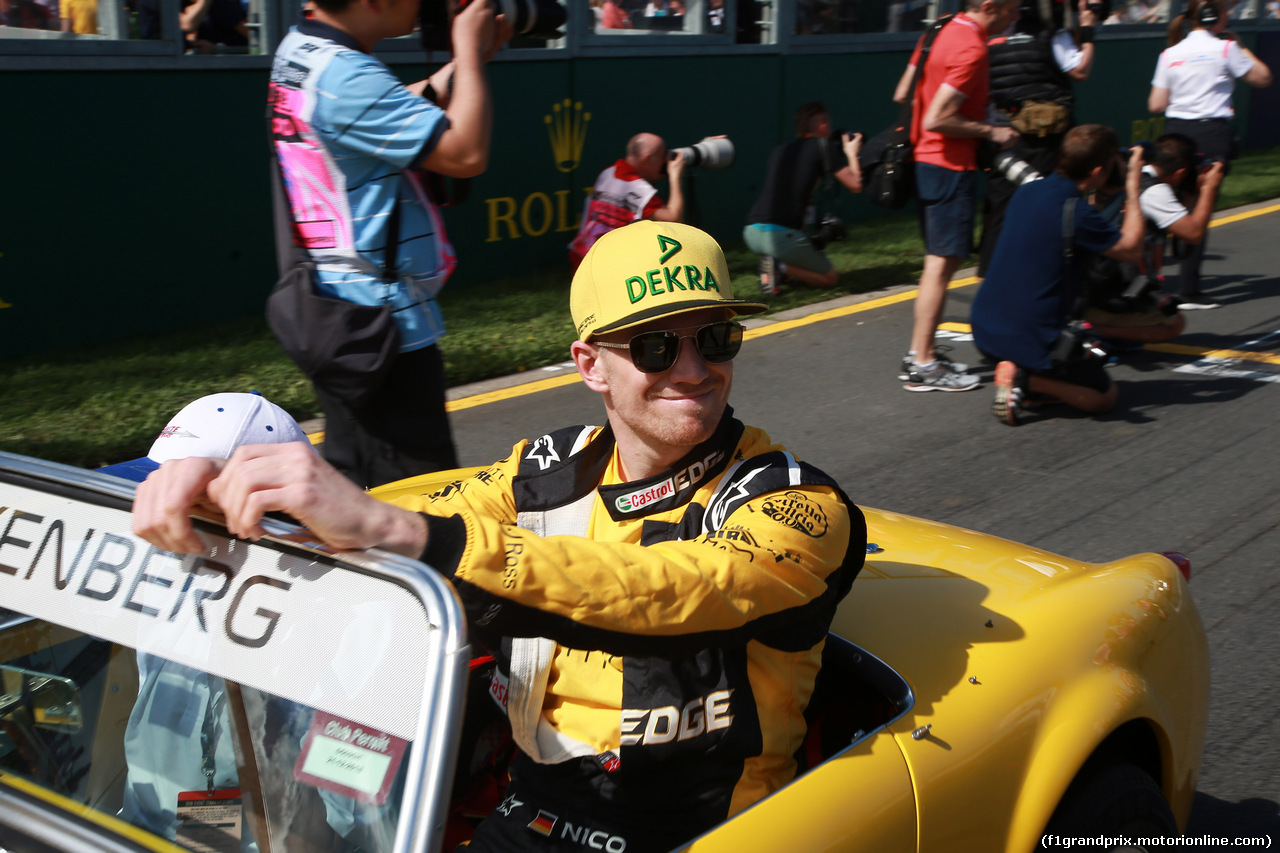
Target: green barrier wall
x=137 y=202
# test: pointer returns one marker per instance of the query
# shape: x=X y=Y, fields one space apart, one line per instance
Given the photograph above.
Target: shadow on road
x=1251 y=817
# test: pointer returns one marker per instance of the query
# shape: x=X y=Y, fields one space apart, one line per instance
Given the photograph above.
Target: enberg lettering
x=120 y=571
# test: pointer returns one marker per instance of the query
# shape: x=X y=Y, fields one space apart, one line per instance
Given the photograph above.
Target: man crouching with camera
x=1026 y=315
x=775 y=225
x=1127 y=301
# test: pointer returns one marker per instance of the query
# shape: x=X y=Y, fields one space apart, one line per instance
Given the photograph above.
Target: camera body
x=539 y=19
x=1077 y=343
x=710 y=152
x=831 y=229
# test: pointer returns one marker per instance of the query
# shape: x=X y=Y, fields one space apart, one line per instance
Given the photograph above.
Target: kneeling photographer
x=1178 y=194
x=1126 y=302
x=776 y=223
x=1027 y=314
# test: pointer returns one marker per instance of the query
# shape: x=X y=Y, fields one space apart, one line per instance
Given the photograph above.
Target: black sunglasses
x=656 y=352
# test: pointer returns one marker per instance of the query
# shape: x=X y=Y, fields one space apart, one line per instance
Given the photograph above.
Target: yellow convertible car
x=976 y=695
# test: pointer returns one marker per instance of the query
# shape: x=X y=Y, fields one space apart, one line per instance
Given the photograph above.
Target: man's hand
x=1086 y=16
x=1210 y=179
x=1133 y=175
x=1003 y=136
x=474 y=29
x=258 y=479
x=675 y=167
x=852 y=144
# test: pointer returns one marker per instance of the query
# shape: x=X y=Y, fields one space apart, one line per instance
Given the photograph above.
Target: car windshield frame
x=52 y=515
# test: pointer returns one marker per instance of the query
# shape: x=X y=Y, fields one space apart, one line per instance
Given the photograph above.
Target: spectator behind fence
x=681 y=563
x=1032 y=71
x=624 y=193
x=948 y=121
x=1192 y=86
x=342 y=121
x=776 y=225
x=1023 y=314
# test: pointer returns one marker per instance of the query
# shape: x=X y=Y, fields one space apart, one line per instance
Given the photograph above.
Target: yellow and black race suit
x=687 y=614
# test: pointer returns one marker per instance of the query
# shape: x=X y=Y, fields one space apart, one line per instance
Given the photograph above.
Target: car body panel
x=997 y=671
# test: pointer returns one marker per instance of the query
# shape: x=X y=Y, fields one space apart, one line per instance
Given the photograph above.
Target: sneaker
x=940 y=355
x=1198 y=302
x=1007 y=406
x=768 y=271
x=940 y=377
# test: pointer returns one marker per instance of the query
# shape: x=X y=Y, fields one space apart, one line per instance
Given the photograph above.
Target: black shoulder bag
x=887 y=159
x=345 y=348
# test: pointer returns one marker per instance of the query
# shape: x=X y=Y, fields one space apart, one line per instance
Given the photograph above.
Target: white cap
x=214 y=426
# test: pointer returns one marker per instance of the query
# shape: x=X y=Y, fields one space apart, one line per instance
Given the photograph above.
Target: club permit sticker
x=349 y=759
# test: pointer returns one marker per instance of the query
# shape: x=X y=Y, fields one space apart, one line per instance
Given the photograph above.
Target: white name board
x=344 y=642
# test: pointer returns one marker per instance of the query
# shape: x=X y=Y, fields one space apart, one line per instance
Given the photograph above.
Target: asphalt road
x=1188 y=461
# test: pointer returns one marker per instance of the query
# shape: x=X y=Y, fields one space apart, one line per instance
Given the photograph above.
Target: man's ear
x=586 y=357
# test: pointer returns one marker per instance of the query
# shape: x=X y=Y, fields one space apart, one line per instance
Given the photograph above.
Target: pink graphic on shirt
x=313 y=183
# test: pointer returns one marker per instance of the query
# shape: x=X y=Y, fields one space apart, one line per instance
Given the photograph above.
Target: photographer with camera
x=624 y=193
x=775 y=225
x=1032 y=72
x=1027 y=313
x=350 y=141
x=1192 y=86
x=1177 y=196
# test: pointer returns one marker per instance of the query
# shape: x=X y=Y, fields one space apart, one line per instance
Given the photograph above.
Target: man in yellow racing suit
x=665 y=583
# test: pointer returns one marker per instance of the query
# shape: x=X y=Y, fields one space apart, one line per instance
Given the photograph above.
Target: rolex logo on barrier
x=567 y=127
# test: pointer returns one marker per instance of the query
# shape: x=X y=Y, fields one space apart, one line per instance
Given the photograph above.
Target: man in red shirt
x=624 y=193
x=948 y=122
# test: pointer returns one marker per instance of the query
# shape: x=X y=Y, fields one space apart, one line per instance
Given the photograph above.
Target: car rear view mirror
x=37 y=700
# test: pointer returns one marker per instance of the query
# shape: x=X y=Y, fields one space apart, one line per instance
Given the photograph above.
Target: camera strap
x=1080 y=300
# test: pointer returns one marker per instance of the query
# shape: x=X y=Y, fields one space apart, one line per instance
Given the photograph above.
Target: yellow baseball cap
x=647 y=270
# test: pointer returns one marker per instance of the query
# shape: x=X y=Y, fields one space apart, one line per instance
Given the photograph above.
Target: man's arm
x=626 y=598
x=463 y=148
x=903 y=89
x=850 y=176
x=259 y=479
x=1128 y=249
x=943 y=116
x=1192 y=227
x=1158 y=100
x=1259 y=75
x=1088 y=23
x=673 y=210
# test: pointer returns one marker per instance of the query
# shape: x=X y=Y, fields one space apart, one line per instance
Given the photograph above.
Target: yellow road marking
x=1249 y=214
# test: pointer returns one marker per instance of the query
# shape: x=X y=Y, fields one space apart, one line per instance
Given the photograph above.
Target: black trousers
x=402 y=432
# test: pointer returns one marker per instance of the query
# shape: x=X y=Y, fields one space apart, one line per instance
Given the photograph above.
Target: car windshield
x=264 y=697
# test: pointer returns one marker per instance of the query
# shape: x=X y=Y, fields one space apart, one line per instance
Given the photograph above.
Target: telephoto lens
x=1013 y=169
x=712 y=152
